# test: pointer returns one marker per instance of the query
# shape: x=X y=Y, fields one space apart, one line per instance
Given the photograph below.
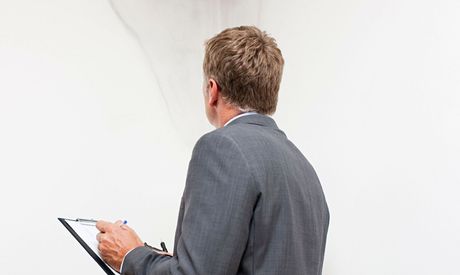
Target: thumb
x=103 y=226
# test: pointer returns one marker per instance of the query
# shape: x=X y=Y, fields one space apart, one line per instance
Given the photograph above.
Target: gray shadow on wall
x=171 y=35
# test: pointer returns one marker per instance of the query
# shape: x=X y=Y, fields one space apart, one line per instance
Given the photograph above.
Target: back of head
x=247 y=65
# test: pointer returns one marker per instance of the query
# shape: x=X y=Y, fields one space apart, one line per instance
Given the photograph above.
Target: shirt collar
x=240 y=115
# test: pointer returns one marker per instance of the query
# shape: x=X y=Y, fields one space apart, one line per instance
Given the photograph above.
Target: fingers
x=103 y=226
x=104 y=243
x=164 y=253
x=114 y=241
x=99 y=237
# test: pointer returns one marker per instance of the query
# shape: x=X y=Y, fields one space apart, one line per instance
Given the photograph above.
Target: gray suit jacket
x=252 y=204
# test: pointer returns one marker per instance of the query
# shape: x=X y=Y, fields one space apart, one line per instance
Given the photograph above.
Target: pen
x=86 y=220
x=163 y=246
x=94 y=221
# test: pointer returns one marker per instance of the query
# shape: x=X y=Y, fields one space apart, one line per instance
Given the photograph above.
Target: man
x=252 y=203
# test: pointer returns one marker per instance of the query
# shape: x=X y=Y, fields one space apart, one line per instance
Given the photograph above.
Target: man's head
x=242 y=69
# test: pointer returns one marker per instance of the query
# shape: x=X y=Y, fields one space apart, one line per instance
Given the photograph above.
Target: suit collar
x=255 y=119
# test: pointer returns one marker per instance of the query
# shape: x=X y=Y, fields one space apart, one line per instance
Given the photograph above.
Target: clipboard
x=85 y=231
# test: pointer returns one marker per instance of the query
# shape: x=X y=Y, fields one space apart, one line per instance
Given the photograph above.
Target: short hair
x=247 y=65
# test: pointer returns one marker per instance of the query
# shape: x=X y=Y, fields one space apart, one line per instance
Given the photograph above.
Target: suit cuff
x=123 y=261
x=129 y=261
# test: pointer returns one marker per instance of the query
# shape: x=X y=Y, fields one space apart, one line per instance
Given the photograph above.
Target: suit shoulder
x=225 y=133
x=221 y=137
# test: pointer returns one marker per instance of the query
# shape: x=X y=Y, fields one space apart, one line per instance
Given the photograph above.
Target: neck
x=225 y=115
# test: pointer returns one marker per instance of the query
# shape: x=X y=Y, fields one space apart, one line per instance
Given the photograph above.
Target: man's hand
x=115 y=240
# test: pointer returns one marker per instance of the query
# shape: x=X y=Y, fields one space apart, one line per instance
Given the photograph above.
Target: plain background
x=101 y=104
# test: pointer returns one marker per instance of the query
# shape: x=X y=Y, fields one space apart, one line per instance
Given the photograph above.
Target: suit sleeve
x=219 y=199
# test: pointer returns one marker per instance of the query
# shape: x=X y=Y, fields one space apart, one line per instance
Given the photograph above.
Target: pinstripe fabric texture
x=252 y=204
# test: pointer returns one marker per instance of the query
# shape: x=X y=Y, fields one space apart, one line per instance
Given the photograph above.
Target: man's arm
x=219 y=199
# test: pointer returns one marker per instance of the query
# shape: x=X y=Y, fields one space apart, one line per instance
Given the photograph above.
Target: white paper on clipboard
x=85 y=231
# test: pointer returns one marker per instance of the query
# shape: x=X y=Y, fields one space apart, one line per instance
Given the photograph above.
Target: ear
x=214 y=92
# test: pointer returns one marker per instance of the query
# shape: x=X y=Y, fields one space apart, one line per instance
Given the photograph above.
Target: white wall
x=100 y=105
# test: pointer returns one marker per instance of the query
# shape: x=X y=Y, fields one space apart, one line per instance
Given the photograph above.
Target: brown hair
x=247 y=65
